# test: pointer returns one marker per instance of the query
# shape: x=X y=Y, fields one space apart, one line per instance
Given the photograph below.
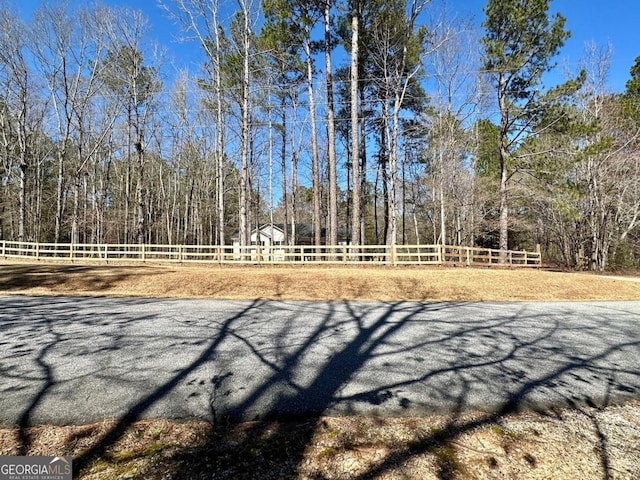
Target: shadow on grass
x=18 y=278
x=267 y=362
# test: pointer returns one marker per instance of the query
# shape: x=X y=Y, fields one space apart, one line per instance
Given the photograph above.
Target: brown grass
x=569 y=444
x=312 y=283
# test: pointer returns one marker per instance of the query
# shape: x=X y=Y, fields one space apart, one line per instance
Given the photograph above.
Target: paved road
x=71 y=360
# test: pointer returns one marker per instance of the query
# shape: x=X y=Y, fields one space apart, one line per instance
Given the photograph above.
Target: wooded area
x=384 y=122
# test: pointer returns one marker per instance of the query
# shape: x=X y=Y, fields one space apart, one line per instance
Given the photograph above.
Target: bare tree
x=609 y=168
x=68 y=50
x=93 y=117
x=137 y=85
x=400 y=49
x=200 y=19
x=456 y=100
x=21 y=111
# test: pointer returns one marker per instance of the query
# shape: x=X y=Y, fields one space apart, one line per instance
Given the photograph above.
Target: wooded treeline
x=376 y=122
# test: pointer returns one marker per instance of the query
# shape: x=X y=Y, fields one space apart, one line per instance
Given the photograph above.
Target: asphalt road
x=78 y=360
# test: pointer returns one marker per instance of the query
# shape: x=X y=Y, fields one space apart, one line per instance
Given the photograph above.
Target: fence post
x=468 y=257
x=38 y=251
x=219 y=254
x=71 y=251
x=106 y=253
x=4 y=248
x=344 y=254
x=394 y=252
x=142 y=252
x=180 y=253
x=440 y=253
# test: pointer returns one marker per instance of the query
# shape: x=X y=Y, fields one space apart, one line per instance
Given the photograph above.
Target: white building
x=265 y=241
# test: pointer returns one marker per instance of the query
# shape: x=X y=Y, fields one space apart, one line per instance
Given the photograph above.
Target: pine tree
x=520 y=42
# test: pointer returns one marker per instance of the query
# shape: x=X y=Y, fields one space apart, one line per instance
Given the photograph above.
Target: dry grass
x=312 y=283
x=585 y=443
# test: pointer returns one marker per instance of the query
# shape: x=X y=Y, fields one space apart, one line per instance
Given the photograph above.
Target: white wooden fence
x=256 y=254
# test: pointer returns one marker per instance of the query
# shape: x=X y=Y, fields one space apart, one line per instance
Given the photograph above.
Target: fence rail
x=280 y=254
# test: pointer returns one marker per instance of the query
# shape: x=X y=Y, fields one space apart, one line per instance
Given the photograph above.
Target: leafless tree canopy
x=377 y=122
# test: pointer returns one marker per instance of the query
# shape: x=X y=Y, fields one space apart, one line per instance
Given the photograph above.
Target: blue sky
x=614 y=21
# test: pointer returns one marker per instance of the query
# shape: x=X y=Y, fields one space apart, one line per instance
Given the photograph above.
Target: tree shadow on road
x=347 y=358
x=526 y=361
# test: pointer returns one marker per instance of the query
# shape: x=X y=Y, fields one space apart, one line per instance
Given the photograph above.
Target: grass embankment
x=312 y=283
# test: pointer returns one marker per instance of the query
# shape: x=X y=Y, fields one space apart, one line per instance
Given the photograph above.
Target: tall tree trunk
x=443 y=215
x=85 y=196
x=384 y=165
x=271 y=199
x=188 y=197
x=331 y=136
x=385 y=197
x=105 y=184
x=393 y=168
x=3 y=197
x=294 y=175
x=244 y=134
x=140 y=227
x=375 y=206
x=127 y=202
x=140 y=214
x=504 y=154
x=392 y=233
x=38 y=204
x=2 y=208
x=220 y=140
x=317 y=225
x=75 y=214
x=294 y=194
x=404 y=200
x=59 y=196
x=504 y=209
x=283 y=159
x=127 y=185
x=220 y=196
x=22 y=204
x=363 y=171
x=355 y=160
x=95 y=234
